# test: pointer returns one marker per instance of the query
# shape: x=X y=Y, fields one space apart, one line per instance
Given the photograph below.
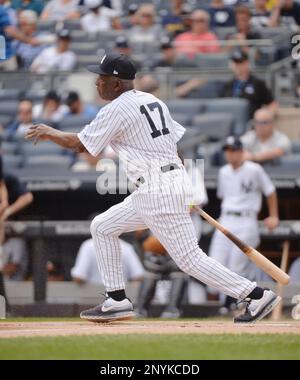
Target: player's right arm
x=67 y=140
x=93 y=138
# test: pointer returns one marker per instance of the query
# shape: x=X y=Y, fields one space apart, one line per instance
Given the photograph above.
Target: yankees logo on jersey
x=247 y=187
x=242 y=189
x=139 y=127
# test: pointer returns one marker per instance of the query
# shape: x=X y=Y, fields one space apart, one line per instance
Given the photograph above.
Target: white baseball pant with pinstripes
x=161 y=204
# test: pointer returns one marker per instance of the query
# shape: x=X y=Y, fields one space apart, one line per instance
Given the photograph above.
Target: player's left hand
x=271 y=222
x=39 y=132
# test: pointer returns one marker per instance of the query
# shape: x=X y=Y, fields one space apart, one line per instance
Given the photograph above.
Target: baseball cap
x=233 y=142
x=118 y=65
x=239 y=56
x=132 y=8
x=92 y=4
x=64 y=33
x=121 y=42
x=165 y=43
x=72 y=97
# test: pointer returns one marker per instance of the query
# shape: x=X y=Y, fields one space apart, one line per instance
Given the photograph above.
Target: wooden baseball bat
x=261 y=261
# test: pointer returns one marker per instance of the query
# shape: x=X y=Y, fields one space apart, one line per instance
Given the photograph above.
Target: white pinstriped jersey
x=241 y=189
x=139 y=127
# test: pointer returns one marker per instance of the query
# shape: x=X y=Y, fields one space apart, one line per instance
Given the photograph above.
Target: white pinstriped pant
x=161 y=206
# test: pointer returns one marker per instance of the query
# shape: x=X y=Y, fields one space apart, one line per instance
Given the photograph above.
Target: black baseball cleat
x=109 y=311
x=258 y=309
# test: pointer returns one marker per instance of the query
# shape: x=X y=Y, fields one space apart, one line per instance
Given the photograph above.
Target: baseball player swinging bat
x=261 y=261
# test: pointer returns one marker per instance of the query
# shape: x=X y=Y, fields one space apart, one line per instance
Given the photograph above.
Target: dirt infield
x=32 y=329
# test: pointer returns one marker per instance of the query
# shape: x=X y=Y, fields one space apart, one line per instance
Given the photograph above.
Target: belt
x=164 y=169
x=241 y=213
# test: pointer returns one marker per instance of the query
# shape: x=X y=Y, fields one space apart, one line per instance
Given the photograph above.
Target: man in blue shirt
x=33 y=5
x=77 y=107
x=9 y=32
x=4 y=28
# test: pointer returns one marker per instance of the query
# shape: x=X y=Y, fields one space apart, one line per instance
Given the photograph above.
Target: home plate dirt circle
x=30 y=329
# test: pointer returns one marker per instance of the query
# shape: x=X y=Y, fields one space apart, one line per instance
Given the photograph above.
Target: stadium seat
x=48 y=161
x=239 y=108
x=224 y=32
x=208 y=90
x=190 y=142
x=84 y=60
x=72 y=24
x=296 y=146
x=71 y=122
x=290 y=161
x=15 y=81
x=82 y=36
x=9 y=108
x=147 y=48
x=201 y=3
x=106 y=39
x=9 y=147
x=46 y=26
x=181 y=118
x=12 y=161
x=51 y=123
x=215 y=126
x=9 y=94
x=189 y=107
x=5 y=120
x=41 y=149
x=208 y=61
x=272 y=33
x=85 y=48
x=35 y=95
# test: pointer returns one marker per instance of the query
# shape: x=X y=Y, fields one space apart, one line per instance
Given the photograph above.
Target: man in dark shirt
x=17 y=198
x=170 y=58
x=174 y=22
x=220 y=15
x=247 y=86
x=286 y=12
x=244 y=30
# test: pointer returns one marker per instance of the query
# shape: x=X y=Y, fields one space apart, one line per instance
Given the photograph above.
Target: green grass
x=135 y=346
x=40 y=319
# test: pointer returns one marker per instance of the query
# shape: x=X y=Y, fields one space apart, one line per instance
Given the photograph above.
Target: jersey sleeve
x=178 y=130
x=101 y=131
x=265 y=182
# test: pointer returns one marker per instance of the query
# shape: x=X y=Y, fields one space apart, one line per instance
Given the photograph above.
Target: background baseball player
x=240 y=186
x=139 y=127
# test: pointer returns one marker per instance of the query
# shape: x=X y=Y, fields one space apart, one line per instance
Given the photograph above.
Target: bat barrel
x=261 y=261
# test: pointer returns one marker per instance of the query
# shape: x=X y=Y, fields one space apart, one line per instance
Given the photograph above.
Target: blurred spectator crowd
x=63 y=36
x=194 y=28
